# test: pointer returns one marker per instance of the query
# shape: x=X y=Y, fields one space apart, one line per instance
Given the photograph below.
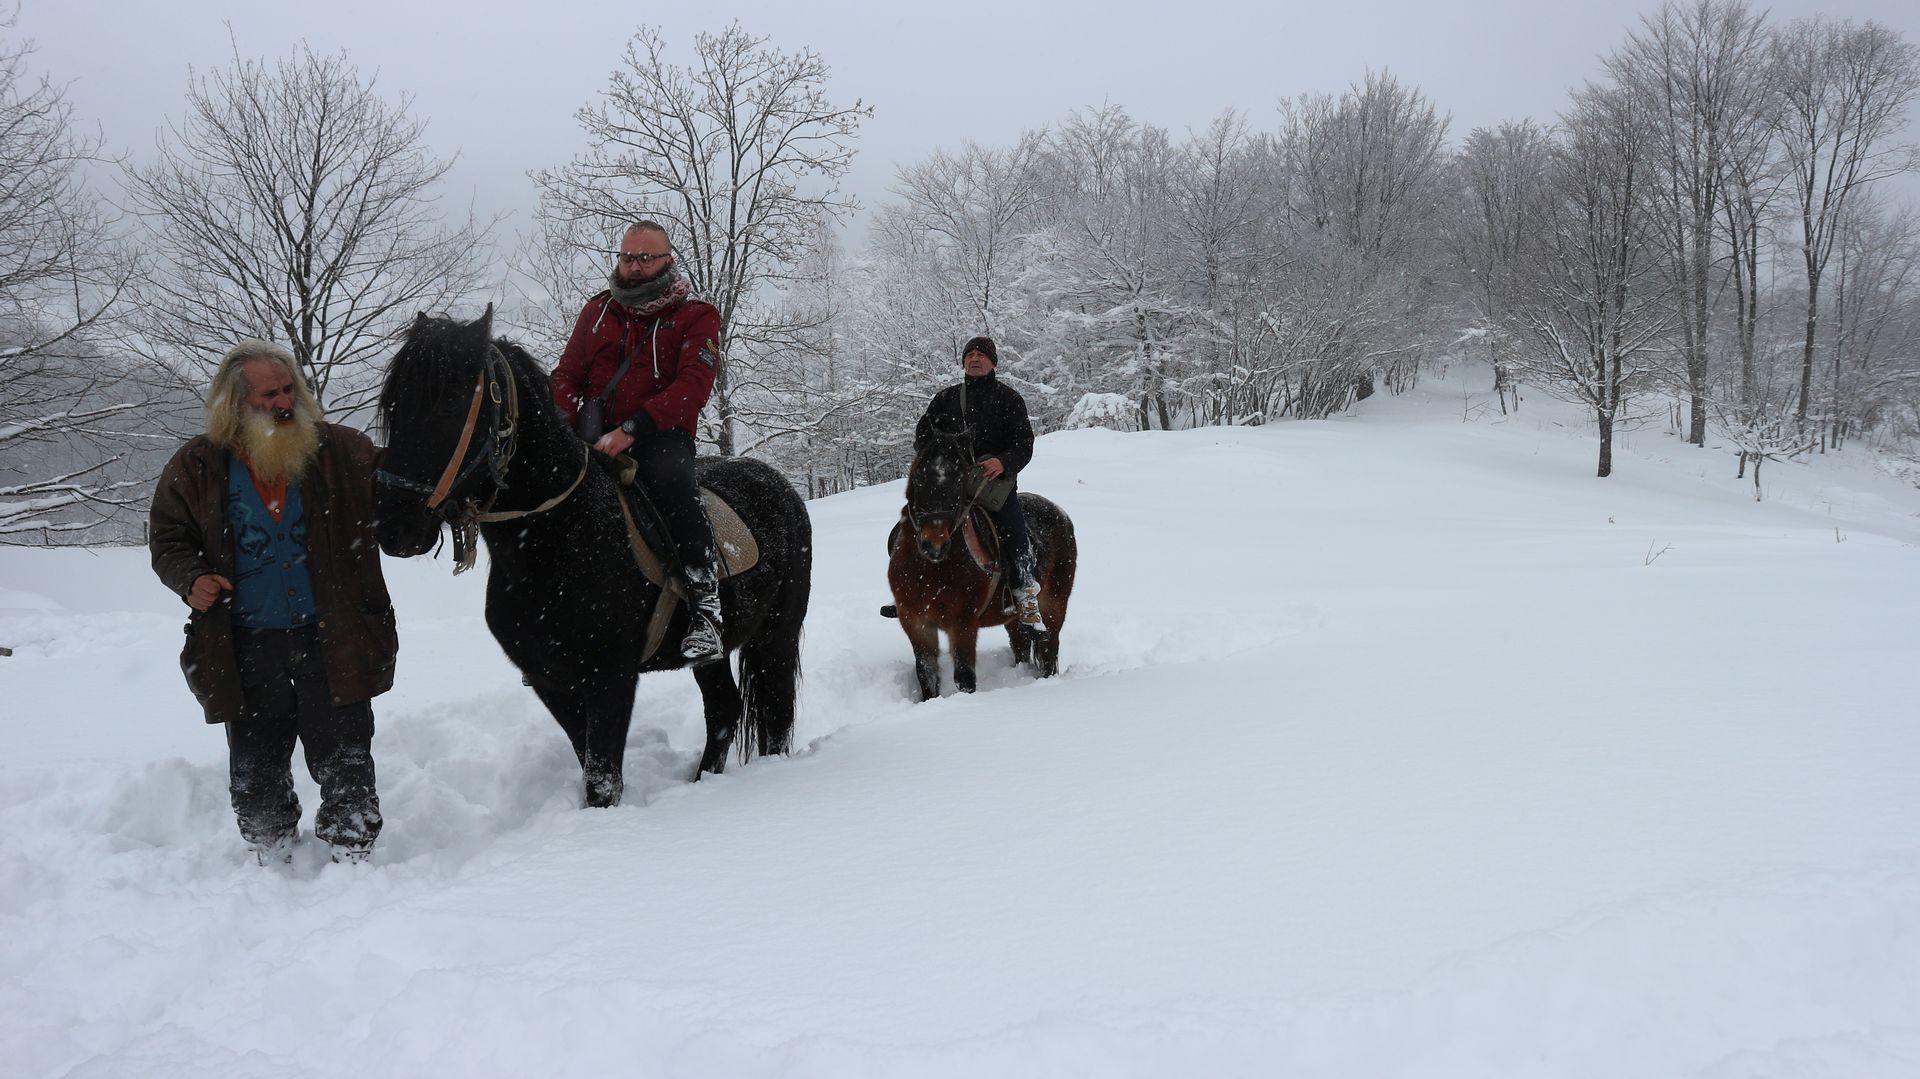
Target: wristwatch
x=632 y=429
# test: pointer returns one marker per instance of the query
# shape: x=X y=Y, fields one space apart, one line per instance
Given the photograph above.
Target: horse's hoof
x=604 y=792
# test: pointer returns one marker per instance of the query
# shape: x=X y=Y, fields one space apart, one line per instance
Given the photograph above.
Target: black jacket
x=996 y=413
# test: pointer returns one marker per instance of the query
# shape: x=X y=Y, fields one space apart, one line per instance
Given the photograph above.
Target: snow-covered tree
x=1843 y=93
x=1500 y=178
x=1697 y=69
x=1593 y=304
x=61 y=275
x=739 y=152
x=295 y=203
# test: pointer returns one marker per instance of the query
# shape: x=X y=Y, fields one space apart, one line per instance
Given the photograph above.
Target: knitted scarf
x=649 y=298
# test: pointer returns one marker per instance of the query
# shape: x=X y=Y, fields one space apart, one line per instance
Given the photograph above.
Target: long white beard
x=277 y=451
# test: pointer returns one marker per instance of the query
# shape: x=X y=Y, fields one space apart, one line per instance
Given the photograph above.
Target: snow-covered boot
x=276 y=851
x=1026 y=600
x=703 y=643
x=351 y=853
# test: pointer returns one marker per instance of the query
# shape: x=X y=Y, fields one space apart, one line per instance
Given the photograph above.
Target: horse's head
x=445 y=410
x=937 y=488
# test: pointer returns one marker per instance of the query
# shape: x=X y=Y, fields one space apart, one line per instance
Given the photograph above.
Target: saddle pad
x=738 y=550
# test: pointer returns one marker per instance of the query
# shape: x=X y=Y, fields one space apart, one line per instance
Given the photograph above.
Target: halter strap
x=460 y=450
x=493 y=517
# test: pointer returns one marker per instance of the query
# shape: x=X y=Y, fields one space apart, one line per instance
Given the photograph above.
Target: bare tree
x=976 y=204
x=1364 y=183
x=1844 y=91
x=740 y=150
x=1214 y=229
x=1593 y=303
x=60 y=277
x=1697 y=68
x=1501 y=177
x=1873 y=327
x=1103 y=265
x=1751 y=182
x=294 y=202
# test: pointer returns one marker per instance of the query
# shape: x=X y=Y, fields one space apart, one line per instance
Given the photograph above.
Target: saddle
x=654 y=551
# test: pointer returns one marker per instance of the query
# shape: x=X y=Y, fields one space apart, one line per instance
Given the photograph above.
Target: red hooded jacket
x=675 y=357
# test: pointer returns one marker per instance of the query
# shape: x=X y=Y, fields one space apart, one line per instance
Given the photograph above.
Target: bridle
x=495 y=387
x=958 y=518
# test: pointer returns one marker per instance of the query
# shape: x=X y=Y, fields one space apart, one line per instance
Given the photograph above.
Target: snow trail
x=1380 y=747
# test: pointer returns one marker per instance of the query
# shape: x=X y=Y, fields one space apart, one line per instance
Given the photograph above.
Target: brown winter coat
x=354 y=616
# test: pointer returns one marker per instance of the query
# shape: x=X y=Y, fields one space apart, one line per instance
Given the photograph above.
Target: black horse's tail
x=769 y=684
x=770 y=662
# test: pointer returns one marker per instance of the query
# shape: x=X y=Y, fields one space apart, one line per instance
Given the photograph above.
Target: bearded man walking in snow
x=996 y=416
x=633 y=379
x=263 y=525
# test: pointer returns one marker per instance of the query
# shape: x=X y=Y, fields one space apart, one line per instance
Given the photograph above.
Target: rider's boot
x=1026 y=602
x=703 y=643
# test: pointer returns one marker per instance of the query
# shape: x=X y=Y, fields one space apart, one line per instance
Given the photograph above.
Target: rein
x=959 y=523
x=497 y=453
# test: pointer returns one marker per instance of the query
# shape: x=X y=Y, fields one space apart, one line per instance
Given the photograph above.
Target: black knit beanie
x=982 y=345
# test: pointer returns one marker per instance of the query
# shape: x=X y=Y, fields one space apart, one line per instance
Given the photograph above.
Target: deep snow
x=1381 y=748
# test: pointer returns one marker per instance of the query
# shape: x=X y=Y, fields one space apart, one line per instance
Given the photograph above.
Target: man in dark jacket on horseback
x=996 y=416
x=637 y=370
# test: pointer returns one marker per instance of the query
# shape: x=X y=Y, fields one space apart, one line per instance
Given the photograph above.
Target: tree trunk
x=1606 y=442
x=1806 y=350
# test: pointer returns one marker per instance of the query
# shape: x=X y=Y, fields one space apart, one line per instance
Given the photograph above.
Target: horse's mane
x=437 y=358
x=941 y=441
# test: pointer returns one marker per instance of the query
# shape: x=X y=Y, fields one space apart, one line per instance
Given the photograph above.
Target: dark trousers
x=666 y=475
x=1015 y=545
x=284 y=682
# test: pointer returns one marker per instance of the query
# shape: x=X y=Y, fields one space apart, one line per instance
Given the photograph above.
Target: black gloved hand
x=640 y=423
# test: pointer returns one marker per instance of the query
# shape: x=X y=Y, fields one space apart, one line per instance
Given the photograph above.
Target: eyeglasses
x=642 y=259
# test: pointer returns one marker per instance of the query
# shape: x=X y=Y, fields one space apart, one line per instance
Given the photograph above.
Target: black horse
x=474 y=440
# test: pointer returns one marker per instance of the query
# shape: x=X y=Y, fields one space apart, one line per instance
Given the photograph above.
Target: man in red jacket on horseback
x=636 y=372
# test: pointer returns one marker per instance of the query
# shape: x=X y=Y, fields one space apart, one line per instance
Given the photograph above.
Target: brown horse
x=936 y=588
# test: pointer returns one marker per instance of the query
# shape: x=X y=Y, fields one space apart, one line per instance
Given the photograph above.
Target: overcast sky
x=499 y=82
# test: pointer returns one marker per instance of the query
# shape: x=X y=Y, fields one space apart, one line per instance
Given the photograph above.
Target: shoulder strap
x=626 y=361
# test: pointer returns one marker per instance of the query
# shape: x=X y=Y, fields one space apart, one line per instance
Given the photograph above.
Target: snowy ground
x=1380 y=749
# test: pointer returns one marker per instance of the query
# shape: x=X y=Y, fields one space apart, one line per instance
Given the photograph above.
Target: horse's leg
x=609 y=714
x=721 y=696
x=569 y=709
x=1063 y=565
x=1022 y=643
x=964 y=638
x=925 y=638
